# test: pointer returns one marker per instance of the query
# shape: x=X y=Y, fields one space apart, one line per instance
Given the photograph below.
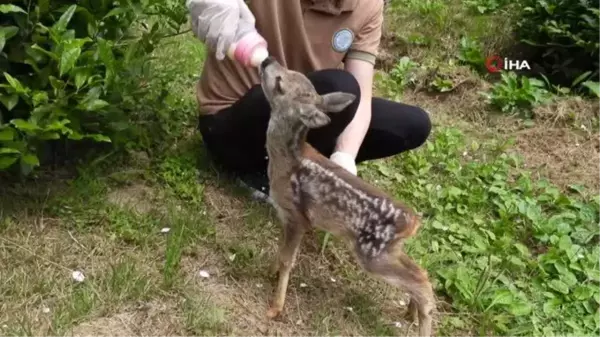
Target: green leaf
x=502 y=296
x=49 y=135
x=96 y=104
x=593 y=274
x=559 y=286
x=6 y=33
x=7 y=134
x=61 y=25
x=583 y=293
x=551 y=305
x=6 y=161
x=8 y=150
x=81 y=76
x=30 y=159
x=37 y=50
x=57 y=84
x=15 y=84
x=594 y=87
x=100 y=138
x=39 y=97
x=107 y=57
x=11 y=9
x=114 y=11
x=520 y=309
x=580 y=78
x=43 y=6
x=522 y=249
x=68 y=58
x=9 y=101
x=24 y=125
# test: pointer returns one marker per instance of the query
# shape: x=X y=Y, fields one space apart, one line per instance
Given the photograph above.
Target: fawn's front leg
x=293 y=232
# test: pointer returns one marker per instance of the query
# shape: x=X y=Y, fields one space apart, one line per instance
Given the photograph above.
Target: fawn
x=309 y=190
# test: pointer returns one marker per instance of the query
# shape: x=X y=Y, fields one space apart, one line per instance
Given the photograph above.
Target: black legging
x=235 y=137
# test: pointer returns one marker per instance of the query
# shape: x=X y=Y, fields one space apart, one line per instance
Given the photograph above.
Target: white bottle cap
x=259 y=55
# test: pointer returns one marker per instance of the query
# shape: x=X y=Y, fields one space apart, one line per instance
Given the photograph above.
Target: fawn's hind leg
x=293 y=233
x=400 y=270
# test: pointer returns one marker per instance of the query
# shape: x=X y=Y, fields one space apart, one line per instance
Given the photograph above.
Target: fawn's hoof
x=273 y=312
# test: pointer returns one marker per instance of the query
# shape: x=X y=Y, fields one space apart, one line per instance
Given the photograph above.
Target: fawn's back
x=334 y=201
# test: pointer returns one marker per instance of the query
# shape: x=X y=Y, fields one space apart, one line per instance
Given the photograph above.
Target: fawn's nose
x=267 y=62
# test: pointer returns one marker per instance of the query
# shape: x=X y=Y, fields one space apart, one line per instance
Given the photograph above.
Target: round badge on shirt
x=342 y=40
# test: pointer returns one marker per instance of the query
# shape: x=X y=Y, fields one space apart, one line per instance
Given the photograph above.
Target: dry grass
x=564 y=156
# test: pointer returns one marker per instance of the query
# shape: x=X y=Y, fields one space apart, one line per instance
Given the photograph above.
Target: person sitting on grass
x=334 y=43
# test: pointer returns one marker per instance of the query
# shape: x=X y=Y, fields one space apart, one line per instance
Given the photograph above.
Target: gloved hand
x=219 y=23
x=345 y=160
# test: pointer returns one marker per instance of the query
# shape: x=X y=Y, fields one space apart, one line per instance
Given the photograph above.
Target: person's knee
x=401 y=127
x=422 y=128
x=334 y=80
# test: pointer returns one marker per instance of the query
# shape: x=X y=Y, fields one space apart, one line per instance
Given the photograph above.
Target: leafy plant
x=594 y=87
x=486 y=6
x=442 y=84
x=403 y=73
x=517 y=94
x=565 y=34
x=67 y=69
x=471 y=53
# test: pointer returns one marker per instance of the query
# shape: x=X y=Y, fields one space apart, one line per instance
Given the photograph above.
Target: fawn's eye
x=278 y=85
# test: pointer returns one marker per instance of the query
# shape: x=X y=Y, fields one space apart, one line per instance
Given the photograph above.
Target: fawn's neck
x=285 y=144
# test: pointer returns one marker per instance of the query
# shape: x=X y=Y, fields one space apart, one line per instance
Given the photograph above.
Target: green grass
x=510 y=252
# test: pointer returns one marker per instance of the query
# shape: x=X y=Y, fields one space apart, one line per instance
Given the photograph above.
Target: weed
x=518 y=94
x=486 y=6
x=403 y=74
x=441 y=84
x=593 y=87
x=471 y=53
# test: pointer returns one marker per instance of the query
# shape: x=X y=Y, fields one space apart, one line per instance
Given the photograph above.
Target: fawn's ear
x=313 y=118
x=336 y=101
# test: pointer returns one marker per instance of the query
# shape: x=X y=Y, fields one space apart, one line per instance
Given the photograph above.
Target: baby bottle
x=250 y=50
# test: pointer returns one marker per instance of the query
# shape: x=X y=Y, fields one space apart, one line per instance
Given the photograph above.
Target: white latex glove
x=219 y=23
x=345 y=160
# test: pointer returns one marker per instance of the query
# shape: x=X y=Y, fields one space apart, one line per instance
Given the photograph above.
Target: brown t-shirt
x=303 y=35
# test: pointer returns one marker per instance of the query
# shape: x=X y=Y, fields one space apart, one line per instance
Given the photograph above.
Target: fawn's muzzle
x=269 y=60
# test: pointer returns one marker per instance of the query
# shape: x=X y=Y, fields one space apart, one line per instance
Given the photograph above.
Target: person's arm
x=352 y=137
x=360 y=62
